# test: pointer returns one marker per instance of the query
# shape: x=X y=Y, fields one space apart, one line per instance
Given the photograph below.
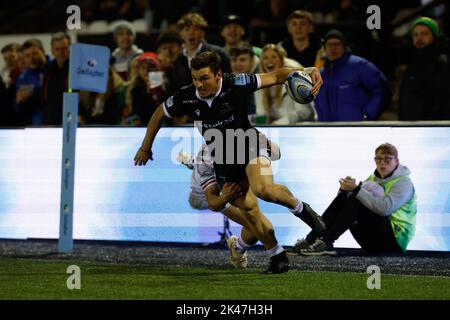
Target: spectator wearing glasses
x=379 y=212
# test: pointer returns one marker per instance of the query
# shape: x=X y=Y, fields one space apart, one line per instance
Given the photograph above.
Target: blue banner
x=89 y=67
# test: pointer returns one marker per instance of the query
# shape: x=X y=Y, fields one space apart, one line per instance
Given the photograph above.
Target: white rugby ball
x=298 y=86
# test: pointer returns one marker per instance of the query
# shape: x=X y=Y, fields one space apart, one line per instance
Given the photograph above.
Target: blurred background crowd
x=400 y=72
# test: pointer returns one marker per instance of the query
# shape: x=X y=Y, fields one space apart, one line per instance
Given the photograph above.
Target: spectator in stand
x=12 y=69
x=145 y=91
x=354 y=88
x=233 y=31
x=170 y=46
x=124 y=36
x=424 y=91
x=29 y=105
x=9 y=74
x=302 y=45
x=102 y=108
x=56 y=79
x=274 y=102
x=192 y=28
x=242 y=61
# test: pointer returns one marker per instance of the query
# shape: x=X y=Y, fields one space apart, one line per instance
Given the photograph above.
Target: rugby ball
x=298 y=86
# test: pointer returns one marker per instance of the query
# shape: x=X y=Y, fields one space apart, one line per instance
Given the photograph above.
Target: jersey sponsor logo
x=218 y=123
x=169 y=102
x=242 y=79
x=190 y=101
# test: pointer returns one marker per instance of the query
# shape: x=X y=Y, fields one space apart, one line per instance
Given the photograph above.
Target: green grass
x=44 y=279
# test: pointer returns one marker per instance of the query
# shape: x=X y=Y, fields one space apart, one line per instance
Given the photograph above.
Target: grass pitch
x=46 y=279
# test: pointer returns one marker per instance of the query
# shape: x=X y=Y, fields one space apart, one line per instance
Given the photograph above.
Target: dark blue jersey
x=226 y=110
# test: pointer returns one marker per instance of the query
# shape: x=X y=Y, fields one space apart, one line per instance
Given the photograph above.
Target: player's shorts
x=236 y=172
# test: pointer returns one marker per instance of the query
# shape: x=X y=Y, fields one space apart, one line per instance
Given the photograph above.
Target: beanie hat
x=428 y=22
x=335 y=34
x=123 y=24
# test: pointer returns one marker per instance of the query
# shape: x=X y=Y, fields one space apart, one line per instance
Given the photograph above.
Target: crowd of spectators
x=355 y=89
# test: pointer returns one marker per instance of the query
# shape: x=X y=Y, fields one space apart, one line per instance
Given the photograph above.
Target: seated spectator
x=29 y=105
x=379 y=212
x=242 y=61
x=124 y=36
x=302 y=45
x=56 y=79
x=274 y=102
x=145 y=91
x=424 y=91
x=233 y=31
x=354 y=89
x=192 y=28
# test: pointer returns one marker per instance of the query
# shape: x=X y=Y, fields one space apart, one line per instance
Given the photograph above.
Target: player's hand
x=316 y=79
x=142 y=156
x=232 y=191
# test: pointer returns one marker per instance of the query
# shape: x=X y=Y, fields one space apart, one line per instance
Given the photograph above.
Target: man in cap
x=354 y=89
x=424 y=93
x=233 y=31
x=124 y=36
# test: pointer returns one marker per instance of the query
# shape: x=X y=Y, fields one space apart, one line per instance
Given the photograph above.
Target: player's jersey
x=227 y=110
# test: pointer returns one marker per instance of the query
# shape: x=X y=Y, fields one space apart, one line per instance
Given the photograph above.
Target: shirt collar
x=199 y=48
x=210 y=100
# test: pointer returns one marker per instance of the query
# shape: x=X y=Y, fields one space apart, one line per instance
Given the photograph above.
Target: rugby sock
x=275 y=250
x=298 y=208
x=241 y=246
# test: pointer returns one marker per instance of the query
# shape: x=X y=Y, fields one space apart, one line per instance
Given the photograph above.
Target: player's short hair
x=388 y=148
x=242 y=48
x=192 y=19
x=59 y=36
x=206 y=59
x=10 y=47
x=300 y=14
x=33 y=43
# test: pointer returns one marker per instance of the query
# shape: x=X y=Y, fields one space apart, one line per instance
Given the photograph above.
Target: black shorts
x=235 y=172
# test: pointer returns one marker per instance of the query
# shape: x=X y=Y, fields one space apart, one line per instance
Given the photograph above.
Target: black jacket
x=54 y=85
x=425 y=89
x=307 y=57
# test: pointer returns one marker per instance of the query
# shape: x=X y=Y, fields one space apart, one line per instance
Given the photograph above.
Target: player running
x=217 y=102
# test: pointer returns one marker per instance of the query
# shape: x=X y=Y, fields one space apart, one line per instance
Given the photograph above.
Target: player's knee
x=252 y=215
x=265 y=193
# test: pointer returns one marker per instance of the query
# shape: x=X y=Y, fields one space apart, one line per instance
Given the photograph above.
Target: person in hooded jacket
x=379 y=212
x=354 y=89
